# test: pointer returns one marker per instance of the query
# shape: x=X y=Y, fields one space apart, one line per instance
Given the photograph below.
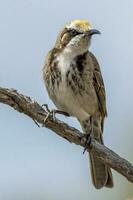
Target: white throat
x=65 y=59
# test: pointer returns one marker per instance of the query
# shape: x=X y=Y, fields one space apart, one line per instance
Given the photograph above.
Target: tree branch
x=31 y=108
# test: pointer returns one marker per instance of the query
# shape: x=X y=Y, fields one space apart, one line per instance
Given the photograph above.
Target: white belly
x=67 y=101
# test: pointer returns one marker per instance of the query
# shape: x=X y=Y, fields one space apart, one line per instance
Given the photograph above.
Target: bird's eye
x=74 y=32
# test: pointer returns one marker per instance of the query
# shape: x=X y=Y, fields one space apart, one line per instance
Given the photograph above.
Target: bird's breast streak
x=66 y=98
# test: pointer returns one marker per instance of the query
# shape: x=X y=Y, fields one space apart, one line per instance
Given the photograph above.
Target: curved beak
x=93 y=31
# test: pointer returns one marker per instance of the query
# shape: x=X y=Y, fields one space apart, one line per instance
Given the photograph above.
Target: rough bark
x=37 y=113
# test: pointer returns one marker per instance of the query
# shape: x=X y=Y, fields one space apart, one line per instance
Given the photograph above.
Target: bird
x=74 y=83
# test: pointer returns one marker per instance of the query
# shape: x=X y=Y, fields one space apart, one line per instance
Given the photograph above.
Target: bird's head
x=76 y=37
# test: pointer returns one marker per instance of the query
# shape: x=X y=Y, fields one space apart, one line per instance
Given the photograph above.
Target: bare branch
x=37 y=113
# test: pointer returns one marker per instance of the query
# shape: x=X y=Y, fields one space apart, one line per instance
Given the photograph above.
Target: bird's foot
x=86 y=140
x=55 y=111
x=51 y=114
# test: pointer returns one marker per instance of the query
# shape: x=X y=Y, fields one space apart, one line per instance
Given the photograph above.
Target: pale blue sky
x=35 y=163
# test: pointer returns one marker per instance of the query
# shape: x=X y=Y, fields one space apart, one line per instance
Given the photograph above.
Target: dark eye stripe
x=73 y=32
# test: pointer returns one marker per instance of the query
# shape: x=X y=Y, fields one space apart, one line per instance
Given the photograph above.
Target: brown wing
x=99 y=86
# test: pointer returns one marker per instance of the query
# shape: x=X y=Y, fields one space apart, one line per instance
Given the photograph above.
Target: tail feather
x=101 y=174
x=109 y=182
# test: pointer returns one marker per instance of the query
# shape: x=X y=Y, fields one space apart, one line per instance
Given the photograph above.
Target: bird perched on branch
x=74 y=82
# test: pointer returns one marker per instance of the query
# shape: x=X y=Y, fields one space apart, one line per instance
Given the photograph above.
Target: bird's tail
x=101 y=174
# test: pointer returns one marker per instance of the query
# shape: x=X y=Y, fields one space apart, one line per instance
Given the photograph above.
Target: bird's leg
x=61 y=113
x=88 y=136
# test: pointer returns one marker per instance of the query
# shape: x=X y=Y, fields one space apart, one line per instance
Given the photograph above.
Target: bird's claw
x=52 y=113
x=36 y=123
x=46 y=107
x=86 y=140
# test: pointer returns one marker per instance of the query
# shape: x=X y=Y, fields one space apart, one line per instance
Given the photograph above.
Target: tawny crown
x=81 y=25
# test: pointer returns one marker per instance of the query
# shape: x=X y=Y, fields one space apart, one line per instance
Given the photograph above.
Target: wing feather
x=99 y=86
